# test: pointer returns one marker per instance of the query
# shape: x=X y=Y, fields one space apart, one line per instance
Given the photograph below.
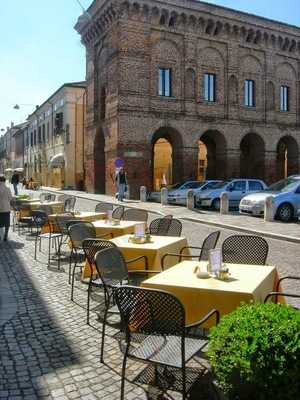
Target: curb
x=291 y=239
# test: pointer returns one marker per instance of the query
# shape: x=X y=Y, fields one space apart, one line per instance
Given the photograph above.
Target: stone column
x=233 y=163
x=271 y=167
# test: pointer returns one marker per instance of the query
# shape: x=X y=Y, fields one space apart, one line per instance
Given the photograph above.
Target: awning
x=8 y=170
x=57 y=161
x=19 y=169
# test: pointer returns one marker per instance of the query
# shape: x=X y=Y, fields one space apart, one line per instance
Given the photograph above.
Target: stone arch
x=233 y=89
x=250 y=64
x=190 y=83
x=173 y=137
x=99 y=161
x=285 y=71
x=287 y=157
x=173 y=19
x=252 y=158
x=213 y=57
x=216 y=148
x=166 y=49
x=270 y=96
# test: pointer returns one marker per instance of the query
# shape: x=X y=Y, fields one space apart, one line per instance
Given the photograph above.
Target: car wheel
x=285 y=212
x=216 y=204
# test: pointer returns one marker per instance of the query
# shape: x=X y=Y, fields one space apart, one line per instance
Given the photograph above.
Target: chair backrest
x=80 y=231
x=111 y=266
x=244 y=249
x=92 y=246
x=150 y=312
x=47 y=197
x=160 y=226
x=118 y=212
x=134 y=214
x=104 y=207
x=209 y=243
x=69 y=204
x=40 y=218
x=61 y=222
x=46 y=208
x=63 y=197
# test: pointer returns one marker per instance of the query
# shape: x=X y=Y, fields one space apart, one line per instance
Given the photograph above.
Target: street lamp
x=17 y=106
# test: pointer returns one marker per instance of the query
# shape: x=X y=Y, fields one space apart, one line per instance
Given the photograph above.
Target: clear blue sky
x=40 y=50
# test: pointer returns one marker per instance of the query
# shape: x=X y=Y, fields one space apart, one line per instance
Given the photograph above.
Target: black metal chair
x=78 y=232
x=245 y=249
x=47 y=197
x=40 y=220
x=160 y=226
x=91 y=248
x=159 y=318
x=113 y=271
x=166 y=226
x=135 y=214
x=46 y=208
x=69 y=204
x=277 y=293
x=21 y=222
x=61 y=227
x=118 y=212
x=104 y=207
x=209 y=243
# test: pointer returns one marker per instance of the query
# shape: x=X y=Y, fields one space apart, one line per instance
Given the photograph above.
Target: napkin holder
x=140 y=239
x=223 y=273
x=115 y=222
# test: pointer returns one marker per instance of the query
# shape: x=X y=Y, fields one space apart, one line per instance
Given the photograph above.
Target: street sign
x=119 y=163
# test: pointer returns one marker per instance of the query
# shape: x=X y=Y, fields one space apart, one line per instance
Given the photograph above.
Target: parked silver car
x=179 y=196
x=156 y=196
x=286 y=195
x=236 y=189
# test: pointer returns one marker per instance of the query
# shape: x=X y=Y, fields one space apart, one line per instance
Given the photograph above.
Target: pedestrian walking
x=121 y=180
x=15 y=181
x=5 y=199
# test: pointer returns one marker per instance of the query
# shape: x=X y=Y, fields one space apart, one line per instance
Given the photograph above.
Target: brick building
x=216 y=89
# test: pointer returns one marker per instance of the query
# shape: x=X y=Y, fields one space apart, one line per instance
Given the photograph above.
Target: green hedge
x=255 y=352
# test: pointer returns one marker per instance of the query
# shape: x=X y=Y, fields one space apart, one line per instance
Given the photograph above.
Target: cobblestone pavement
x=46 y=349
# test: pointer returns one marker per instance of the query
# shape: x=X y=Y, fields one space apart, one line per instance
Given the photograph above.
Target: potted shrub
x=255 y=353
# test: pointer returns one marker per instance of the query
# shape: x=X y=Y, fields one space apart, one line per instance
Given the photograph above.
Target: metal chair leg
x=103 y=329
x=73 y=278
x=88 y=303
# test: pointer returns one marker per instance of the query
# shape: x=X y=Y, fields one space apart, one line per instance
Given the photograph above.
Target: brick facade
x=127 y=41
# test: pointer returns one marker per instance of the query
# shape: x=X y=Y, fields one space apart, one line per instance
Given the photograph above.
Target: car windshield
x=284 y=185
x=176 y=186
x=218 y=185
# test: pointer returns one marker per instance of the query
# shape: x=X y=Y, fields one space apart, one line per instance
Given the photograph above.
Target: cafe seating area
x=165 y=294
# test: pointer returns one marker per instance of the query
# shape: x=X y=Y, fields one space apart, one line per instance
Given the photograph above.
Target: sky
x=40 y=50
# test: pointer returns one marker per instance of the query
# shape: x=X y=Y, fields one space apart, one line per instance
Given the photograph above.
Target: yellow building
x=55 y=139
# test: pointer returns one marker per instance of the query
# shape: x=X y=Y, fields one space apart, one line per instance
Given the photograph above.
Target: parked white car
x=179 y=196
x=286 y=196
x=236 y=189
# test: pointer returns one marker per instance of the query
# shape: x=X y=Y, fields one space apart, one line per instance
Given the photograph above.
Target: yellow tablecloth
x=199 y=296
x=82 y=216
x=153 y=251
x=105 y=227
x=57 y=207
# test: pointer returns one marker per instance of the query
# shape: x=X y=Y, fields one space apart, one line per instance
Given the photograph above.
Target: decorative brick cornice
x=171 y=16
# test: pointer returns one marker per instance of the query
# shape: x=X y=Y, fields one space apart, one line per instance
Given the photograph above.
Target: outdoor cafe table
x=104 y=227
x=57 y=206
x=199 y=296
x=154 y=251
x=86 y=216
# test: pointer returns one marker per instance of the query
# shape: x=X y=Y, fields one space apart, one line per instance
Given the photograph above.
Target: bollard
x=164 y=196
x=269 y=209
x=190 y=199
x=127 y=193
x=224 y=203
x=143 y=193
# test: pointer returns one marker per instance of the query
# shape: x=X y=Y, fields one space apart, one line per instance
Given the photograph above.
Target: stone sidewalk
x=46 y=349
x=234 y=221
